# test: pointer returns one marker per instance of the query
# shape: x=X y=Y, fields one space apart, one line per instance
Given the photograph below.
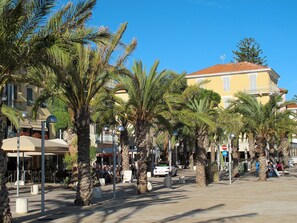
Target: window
x=199 y=81
x=226 y=101
x=253 y=83
x=30 y=101
x=226 y=81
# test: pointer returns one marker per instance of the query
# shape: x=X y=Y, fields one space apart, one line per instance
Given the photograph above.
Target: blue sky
x=189 y=35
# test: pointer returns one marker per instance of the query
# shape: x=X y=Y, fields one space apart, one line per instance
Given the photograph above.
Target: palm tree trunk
x=125 y=150
x=191 y=160
x=235 y=156
x=261 y=144
x=263 y=167
x=166 y=145
x=201 y=160
x=212 y=152
x=284 y=148
x=5 y=215
x=252 y=152
x=84 y=187
x=185 y=157
x=140 y=141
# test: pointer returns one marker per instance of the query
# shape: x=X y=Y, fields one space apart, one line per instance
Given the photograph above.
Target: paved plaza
x=245 y=200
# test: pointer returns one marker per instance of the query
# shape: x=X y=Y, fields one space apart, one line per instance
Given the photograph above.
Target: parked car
x=162 y=169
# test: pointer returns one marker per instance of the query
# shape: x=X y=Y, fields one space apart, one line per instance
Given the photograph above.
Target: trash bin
x=167 y=181
x=245 y=167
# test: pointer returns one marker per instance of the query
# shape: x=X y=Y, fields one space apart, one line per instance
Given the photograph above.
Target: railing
x=262 y=90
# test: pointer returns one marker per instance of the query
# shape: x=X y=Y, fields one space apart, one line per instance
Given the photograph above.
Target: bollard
x=149 y=174
x=167 y=181
x=102 y=181
x=96 y=193
x=149 y=186
x=34 y=189
x=21 y=205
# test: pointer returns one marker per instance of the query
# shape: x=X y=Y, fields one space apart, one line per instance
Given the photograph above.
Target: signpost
x=224 y=147
x=225 y=153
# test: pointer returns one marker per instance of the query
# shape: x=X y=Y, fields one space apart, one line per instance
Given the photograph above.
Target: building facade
x=228 y=79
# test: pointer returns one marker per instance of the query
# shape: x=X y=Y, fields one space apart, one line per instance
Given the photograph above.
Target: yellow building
x=22 y=97
x=228 y=79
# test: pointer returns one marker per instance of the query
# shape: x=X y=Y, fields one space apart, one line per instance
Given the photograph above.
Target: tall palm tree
x=147 y=94
x=28 y=37
x=197 y=114
x=201 y=113
x=77 y=82
x=261 y=119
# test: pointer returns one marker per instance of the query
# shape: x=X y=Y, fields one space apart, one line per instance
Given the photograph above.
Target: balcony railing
x=263 y=90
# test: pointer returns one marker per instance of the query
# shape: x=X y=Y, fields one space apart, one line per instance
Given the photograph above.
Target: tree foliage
x=59 y=109
x=249 y=50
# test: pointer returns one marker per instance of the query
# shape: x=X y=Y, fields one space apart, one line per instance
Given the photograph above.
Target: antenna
x=223 y=58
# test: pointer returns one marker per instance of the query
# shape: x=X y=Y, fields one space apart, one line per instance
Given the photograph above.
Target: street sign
x=225 y=153
x=224 y=147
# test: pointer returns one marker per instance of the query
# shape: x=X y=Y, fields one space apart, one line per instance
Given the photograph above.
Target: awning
x=39 y=154
x=16 y=155
x=31 y=144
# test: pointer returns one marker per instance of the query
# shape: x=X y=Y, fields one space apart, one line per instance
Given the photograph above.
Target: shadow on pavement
x=227 y=219
x=173 y=218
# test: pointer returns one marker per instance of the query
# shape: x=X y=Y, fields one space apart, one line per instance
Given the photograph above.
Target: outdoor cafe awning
x=31 y=144
x=29 y=154
x=16 y=154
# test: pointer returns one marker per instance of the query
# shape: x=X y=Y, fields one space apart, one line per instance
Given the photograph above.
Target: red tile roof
x=283 y=90
x=230 y=67
x=292 y=106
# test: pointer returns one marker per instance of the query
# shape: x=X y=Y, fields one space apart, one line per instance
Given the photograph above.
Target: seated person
x=279 y=166
x=270 y=170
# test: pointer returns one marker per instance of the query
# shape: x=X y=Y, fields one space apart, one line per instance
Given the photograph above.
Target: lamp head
x=106 y=128
x=51 y=119
x=24 y=114
x=121 y=128
x=175 y=132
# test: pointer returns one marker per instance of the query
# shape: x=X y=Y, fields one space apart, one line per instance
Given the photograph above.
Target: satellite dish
x=223 y=58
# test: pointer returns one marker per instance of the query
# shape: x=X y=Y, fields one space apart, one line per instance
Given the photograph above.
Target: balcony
x=262 y=90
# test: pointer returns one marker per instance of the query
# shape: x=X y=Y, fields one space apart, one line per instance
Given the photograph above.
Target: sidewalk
x=245 y=200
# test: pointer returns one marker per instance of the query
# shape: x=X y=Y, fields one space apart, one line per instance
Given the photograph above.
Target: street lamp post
x=50 y=119
x=24 y=115
x=120 y=128
x=174 y=133
x=231 y=136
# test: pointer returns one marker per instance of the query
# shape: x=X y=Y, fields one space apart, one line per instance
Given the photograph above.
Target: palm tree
x=77 y=82
x=231 y=123
x=285 y=128
x=197 y=116
x=122 y=113
x=28 y=37
x=261 y=120
x=147 y=94
x=201 y=113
